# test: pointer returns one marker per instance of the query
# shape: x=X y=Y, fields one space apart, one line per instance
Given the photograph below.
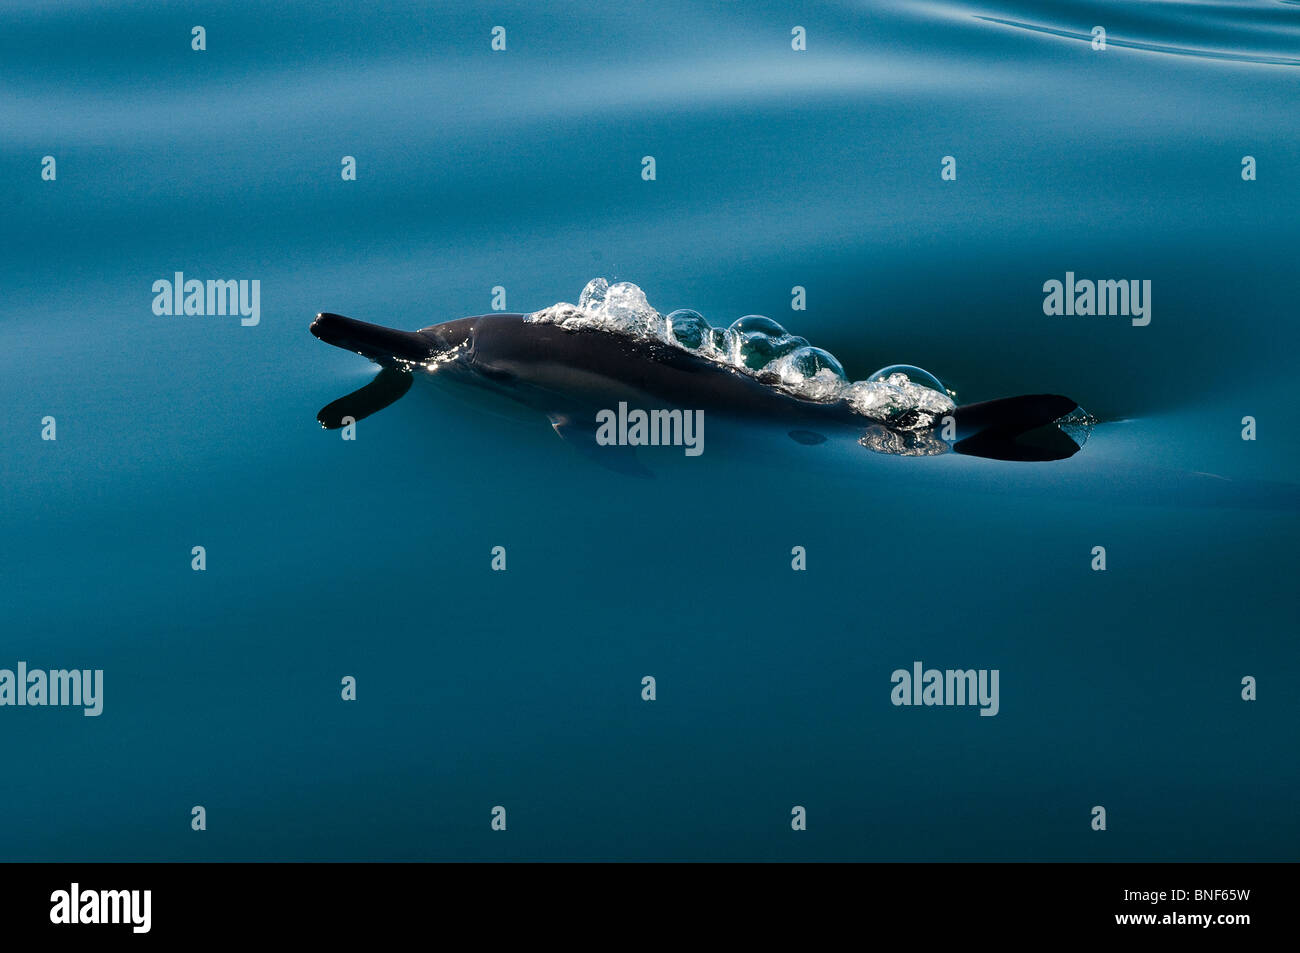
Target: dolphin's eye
x=496 y=374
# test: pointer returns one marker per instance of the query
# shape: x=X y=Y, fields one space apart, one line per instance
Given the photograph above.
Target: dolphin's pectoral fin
x=582 y=435
x=1015 y=428
x=387 y=387
x=809 y=438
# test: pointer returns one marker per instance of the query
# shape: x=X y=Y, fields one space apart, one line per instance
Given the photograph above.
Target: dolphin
x=569 y=374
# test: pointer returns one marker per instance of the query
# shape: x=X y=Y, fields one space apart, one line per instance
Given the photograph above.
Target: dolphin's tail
x=382 y=345
x=1015 y=428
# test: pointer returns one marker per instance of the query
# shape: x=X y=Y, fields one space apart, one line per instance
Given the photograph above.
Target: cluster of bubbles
x=901 y=395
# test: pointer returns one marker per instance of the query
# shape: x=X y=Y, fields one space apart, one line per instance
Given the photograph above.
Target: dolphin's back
x=605 y=365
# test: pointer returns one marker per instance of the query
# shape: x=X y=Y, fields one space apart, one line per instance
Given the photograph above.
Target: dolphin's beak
x=382 y=345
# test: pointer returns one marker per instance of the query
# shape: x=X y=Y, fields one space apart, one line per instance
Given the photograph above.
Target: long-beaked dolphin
x=568 y=373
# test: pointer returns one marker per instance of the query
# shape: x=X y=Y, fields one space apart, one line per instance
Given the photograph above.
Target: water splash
x=621 y=307
x=1078 y=425
x=901 y=395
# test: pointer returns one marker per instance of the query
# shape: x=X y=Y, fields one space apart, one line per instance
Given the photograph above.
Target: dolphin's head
x=453 y=338
x=382 y=345
x=489 y=346
x=391 y=347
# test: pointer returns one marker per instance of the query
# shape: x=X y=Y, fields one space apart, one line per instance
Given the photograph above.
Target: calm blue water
x=522 y=169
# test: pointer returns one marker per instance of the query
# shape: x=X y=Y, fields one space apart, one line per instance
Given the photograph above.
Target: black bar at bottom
x=337 y=902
